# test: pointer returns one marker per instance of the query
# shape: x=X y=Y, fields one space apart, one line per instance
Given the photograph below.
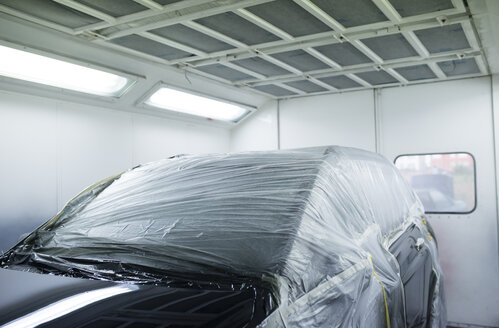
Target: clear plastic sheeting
x=315 y=224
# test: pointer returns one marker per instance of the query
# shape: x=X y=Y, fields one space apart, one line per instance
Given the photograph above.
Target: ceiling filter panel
x=416 y=73
x=377 y=77
x=237 y=28
x=261 y=66
x=351 y=13
x=285 y=14
x=442 y=39
x=274 y=90
x=150 y=47
x=344 y=54
x=191 y=38
x=412 y=8
x=52 y=12
x=306 y=86
x=113 y=7
x=390 y=46
x=459 y=67
x=224 y=72
x=340 y=82
x=301 y=60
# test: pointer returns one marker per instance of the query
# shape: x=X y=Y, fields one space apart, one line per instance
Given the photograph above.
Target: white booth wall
x=438 y=117
x=50 y=150
x=454 y=116
x=347 y=121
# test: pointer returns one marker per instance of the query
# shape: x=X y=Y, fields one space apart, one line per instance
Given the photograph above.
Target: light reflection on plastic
x=67 y=305
x=188 y=103
x=57 y=73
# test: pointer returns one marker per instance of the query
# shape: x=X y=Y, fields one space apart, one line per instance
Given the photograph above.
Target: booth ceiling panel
x=351 y=13
x=285 y=14
x=459 y=67
x=416 y=73
x=191 y=38
x=274 y=90
x=306 y=86
x=150 y=47
x=377 y=77
x=224 y=72
x=340 y=82
x=344 y=54
x=282 y=48
x=412 y=8
x=52 y=12
x=390 y=46
x=261 y=66
x=301 y=60
x=170 y=15
x=113 y=7
x=442 y=39
x=166 y=2
x=237 y=28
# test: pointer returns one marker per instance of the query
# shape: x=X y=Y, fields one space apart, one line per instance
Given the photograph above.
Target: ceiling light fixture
x=31 y=67
x=189 y=103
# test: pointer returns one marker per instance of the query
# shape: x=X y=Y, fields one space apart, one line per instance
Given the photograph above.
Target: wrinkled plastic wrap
x=315 y=224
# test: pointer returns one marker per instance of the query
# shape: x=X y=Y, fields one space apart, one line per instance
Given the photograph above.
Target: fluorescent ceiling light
x=31 y=67
x=68 y=305
x=189 y=103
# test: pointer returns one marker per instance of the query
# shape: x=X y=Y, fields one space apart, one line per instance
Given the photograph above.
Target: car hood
x=32 y=300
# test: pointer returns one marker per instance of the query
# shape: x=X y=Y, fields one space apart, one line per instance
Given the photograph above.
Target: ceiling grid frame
x=410 y=36
x=319 y=39
x=141 y=15
x=320 y=15
x=290 y=88
x=394 y=63
x=285 y=36
x=150 y=4
x=396 y=24
x=36 y=20
x=234 y=4
x=359 y=80
x=87 y=10
x=171 y=43
x=472 y=39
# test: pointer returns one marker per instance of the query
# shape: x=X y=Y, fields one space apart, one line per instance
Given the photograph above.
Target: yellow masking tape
x=384 y=294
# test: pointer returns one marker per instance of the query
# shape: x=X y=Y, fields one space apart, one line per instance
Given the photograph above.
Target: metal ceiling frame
x=142 y=14
x=200 y=11
x=368 y=67
x=319 y=39
x=187 y=11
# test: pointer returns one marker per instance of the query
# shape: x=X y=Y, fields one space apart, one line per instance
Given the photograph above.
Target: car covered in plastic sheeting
x=319 y=237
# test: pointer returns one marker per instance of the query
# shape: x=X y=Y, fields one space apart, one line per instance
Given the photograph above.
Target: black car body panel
x=55 y=301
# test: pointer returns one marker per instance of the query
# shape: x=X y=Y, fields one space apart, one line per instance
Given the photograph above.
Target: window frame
x=448 y=153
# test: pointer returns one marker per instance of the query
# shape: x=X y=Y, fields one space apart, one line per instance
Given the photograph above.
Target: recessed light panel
x=185 y=102
x=31 y=67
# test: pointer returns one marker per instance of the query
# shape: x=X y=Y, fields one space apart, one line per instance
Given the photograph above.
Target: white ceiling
x=284 y=48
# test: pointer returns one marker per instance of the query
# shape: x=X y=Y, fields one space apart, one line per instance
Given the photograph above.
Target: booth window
x=444 y=182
